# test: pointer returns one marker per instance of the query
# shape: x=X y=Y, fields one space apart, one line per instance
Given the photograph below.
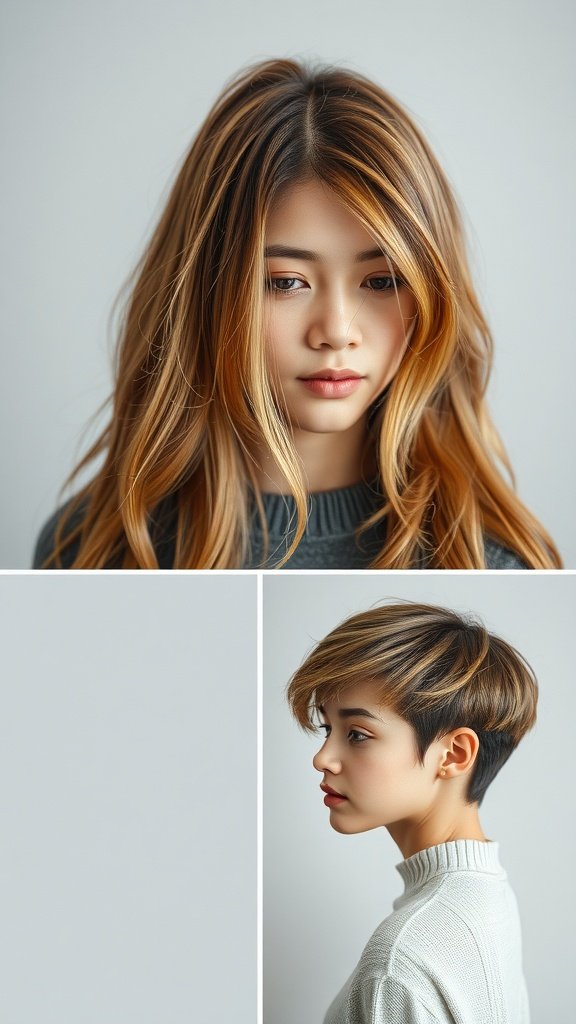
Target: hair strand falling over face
x=192 y=399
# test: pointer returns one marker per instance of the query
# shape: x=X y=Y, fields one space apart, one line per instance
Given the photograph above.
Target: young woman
x=302 y=362
x=421 y=708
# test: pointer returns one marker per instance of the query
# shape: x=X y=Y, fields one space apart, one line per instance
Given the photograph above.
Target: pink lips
x=332 y=383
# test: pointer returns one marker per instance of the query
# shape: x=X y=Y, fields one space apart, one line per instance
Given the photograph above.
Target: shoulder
x=46 y=540
x=383 y=998
x=499 y=557
x=394 y=1000
x=404 y=963
x=163 y=528
x=398 y=975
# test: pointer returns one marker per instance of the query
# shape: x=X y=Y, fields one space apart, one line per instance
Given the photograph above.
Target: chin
x=342 y=828
x=347 y=827
x=324 y=421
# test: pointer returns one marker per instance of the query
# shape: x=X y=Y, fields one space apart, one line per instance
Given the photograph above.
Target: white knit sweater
x=450 y=953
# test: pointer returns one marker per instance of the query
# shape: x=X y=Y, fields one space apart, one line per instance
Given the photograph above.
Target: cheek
x=397 y=328
x=387 y=779
x=402 y=321
x=394 y=353
x=280 y=331
x=376 y=773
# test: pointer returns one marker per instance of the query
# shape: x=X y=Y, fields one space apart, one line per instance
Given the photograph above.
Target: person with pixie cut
x=421 y=707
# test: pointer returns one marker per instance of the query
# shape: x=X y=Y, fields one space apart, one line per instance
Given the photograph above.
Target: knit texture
x=330 y=540
x=451 y=951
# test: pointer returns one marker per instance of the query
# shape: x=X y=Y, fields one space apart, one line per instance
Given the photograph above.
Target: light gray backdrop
x=324 y=893
x=127 y=799
x=100 y=102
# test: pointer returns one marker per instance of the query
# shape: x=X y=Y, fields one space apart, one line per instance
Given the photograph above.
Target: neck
x=328 y=460
x=443 y=826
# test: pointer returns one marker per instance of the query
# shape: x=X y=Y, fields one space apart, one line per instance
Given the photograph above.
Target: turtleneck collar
x=457 y=855
x=331 y=513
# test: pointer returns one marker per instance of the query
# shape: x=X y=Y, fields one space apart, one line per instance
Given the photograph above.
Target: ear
x=460 y=750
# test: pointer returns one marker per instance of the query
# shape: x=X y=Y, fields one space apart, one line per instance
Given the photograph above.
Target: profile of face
x=369 y=759
x=336 y=326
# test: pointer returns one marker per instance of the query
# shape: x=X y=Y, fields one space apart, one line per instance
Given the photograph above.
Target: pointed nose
x=326 y=761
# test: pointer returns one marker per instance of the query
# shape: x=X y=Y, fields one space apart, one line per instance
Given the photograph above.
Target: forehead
x=310 y=215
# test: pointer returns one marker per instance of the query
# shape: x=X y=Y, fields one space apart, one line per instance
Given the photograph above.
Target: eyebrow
x=352 y=713
x=315 y=257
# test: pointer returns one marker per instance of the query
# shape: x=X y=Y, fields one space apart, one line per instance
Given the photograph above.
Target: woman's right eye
x=322 y=725
x=275 y=284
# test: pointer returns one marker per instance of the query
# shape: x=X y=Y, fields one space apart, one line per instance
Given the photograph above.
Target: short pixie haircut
x=437 y=669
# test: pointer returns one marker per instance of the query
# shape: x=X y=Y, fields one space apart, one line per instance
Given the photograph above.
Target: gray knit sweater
x=329 y=542
x=451 y=951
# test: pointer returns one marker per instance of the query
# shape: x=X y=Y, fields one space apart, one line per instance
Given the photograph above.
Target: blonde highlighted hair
x=436 y=669
x=193 y=401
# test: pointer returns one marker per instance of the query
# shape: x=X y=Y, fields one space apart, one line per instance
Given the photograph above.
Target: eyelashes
x=273 y=284
x=354 y=736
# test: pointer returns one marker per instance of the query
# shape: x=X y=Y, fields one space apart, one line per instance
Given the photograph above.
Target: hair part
x=193 y=400
x=437 y=669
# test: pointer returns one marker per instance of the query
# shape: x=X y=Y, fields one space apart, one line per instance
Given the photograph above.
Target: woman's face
x=336 y=328
x=370 y=759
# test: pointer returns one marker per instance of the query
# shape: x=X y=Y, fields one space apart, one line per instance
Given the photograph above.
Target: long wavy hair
x=193 y=399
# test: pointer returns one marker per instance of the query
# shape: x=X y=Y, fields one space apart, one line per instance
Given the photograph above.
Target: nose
x=334 y=322
x=326 y=760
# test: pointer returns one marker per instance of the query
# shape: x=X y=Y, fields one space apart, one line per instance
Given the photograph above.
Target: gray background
x=127 y=799
x=324 y=893
x=100 y=102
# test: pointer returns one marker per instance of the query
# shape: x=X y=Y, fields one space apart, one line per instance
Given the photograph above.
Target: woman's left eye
x=383 y=284
x=357 y=737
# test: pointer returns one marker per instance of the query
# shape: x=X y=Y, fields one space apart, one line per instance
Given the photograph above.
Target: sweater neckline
x=335 y=512
x=456 y=855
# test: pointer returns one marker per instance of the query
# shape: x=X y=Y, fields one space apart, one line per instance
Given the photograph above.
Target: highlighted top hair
x=436 y=669
x=193 y=399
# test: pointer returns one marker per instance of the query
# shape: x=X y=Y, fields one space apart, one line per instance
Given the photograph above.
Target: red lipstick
x=332 y=798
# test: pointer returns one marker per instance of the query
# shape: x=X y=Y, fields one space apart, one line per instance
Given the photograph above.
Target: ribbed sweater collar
x=457 y=855
x=331 y=513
